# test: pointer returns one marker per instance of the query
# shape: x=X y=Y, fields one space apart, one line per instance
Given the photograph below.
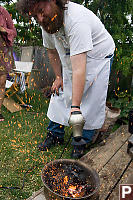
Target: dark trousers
x=58 y=131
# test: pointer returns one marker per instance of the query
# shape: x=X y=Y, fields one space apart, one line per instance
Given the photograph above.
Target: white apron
x=95 y=91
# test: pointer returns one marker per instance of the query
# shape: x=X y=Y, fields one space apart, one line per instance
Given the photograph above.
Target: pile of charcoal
x=68 y=180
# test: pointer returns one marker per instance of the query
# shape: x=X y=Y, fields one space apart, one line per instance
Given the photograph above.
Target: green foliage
x=124 y=101
x=114 y=16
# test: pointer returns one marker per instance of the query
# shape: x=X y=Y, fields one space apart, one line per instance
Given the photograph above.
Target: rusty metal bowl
x=92 y=174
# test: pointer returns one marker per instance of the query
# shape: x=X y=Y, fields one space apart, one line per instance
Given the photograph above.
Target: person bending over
x=80 y=50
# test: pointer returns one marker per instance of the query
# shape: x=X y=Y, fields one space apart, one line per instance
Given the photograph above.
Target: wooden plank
x=100 y=155
x=127 y=178
x=38 y=195
x=112 y=171
x=11 y=105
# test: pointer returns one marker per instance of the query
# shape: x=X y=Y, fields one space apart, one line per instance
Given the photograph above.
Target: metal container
x=77 y=122
x=92 y=174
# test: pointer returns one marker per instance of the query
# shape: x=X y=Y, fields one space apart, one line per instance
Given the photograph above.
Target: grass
x=20 y=134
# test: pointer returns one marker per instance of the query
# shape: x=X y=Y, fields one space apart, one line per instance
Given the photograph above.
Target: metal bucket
x=92 y=175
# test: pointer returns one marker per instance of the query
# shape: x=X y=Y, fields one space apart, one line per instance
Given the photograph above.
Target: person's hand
x=58 y=83
x=2 y=29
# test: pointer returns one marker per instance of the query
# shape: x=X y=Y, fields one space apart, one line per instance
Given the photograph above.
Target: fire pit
x=66 y=179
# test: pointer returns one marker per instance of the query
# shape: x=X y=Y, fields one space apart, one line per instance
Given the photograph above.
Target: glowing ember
x=65 y=180
x=76 y=192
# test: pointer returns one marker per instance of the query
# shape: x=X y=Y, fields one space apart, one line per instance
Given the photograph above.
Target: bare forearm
x=78 y=77
x=78 y=88
x=55 y=61
x=56 y=65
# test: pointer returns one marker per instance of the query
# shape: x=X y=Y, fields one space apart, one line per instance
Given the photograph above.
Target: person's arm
x=2 y=29
x=9 y=29
x=78 y=78
x=56 y=65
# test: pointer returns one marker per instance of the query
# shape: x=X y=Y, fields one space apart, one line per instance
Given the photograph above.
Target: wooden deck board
x=99 y=156
x=127 y=178
x=112 y=171
x=38 y=195
x=110 y=160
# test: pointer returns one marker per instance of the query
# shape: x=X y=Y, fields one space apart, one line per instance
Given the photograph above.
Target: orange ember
x=66 y=180
x=74 y=191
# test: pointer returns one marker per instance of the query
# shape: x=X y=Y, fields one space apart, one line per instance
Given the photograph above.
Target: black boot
x=78 y=151
x=50 y=141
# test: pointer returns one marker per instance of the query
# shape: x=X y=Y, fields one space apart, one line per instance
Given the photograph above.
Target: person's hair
x=25 y=6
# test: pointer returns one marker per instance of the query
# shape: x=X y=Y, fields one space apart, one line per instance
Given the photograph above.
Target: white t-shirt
x=82 y=32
